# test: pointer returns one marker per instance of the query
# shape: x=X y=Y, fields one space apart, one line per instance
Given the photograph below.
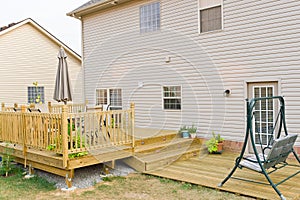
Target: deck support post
x=30 y=170
x=132 y=107
x=22 y=128
x=64 y=124
x=68 y=181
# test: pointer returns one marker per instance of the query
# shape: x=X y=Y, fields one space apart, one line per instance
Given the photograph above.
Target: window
x=210 y=13
x=172 y=97
x=35 y=94
x=101 y=96
x=114 y=99
x=150 y=17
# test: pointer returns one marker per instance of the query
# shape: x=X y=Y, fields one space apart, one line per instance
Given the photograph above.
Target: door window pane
x=264 y=115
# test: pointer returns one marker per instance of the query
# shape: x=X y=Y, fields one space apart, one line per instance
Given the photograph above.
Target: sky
x=50 y=14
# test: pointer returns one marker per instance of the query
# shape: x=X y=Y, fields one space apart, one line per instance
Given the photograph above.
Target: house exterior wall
x=259 y=43
x=27 y=56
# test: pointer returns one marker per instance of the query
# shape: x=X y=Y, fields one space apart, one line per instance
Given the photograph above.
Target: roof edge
x=101 y=5
x=44 y=31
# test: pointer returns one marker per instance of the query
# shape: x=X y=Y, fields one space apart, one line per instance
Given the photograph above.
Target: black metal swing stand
x=266 y=159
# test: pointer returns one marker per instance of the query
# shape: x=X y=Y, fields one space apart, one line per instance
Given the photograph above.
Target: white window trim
x=108 y=96
x=199 y=16
x=162 y=92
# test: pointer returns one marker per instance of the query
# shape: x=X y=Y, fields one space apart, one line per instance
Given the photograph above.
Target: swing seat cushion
x=278 y=153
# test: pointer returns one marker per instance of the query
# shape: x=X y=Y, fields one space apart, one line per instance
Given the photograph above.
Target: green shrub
x=7 y=165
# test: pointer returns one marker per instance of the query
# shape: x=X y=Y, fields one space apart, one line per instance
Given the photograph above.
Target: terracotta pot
x=220 y=146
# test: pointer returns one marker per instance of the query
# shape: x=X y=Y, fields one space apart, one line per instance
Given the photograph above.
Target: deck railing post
x=22 y=128
x=15 y=105
x=85 y=105
x=49 y=107
x=2 y=107
x=32 y=105
x=132 y=123
x=64 y=121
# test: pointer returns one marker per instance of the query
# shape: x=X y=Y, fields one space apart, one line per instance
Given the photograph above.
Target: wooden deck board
x=144 y=133
x=210 y=170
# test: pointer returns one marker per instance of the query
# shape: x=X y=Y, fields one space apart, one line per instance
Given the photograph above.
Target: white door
x=264 y=112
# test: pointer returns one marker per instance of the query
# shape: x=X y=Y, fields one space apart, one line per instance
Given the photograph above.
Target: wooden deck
x=164 y=154
x=53 y=162
x=209 y=170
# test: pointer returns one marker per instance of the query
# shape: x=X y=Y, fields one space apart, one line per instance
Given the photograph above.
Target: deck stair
x=157 y=152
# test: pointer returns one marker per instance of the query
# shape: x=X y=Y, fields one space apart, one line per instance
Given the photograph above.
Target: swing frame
x=257 y=156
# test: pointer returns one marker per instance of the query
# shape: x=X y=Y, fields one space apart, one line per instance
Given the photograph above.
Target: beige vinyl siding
x=27 y=55
x=259 y=42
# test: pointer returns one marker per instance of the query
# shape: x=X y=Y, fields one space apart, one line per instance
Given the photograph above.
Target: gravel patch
x=87 y=176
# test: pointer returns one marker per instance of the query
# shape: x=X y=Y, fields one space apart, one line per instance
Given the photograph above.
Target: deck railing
x=15 y=107
x=93 y=129
x=72 y=108
x=67 y=133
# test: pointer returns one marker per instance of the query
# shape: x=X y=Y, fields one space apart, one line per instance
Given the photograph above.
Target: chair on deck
x=277 y=154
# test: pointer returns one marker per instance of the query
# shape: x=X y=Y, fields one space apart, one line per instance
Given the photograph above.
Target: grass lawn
x=16 y=187
x=134 y=186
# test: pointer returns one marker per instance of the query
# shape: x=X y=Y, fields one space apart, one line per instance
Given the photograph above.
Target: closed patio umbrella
x=62 y=90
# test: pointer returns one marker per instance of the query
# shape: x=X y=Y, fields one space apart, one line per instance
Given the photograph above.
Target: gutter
x=101 y=5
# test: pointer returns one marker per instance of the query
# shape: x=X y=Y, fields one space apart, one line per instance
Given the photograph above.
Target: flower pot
x=185 y=134
x=220 y=146
x=193 y=135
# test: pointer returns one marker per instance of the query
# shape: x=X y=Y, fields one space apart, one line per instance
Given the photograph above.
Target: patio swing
x=269 y=154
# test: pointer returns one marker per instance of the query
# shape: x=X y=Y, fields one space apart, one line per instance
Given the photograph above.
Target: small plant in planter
x=184 y=131
x=193 y=131
x=215 y=144
x=188 y=131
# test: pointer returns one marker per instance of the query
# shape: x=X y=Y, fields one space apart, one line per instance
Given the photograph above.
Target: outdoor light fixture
x=227 y=92
x=168 y=59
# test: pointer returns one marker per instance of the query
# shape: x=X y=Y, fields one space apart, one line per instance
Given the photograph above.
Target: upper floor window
x=150 y=17
x=210 y=13
x=172 y=97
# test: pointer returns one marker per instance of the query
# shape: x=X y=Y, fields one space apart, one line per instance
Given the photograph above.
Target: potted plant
x=215 y=144
x=192 y=130
x=188 y=131
x=183 y=131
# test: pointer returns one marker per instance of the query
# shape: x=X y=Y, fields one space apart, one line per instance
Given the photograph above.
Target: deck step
x=157 y=155
x=167 y=156
x=174 y=143
x=158 y=138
